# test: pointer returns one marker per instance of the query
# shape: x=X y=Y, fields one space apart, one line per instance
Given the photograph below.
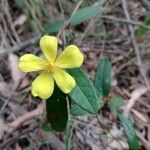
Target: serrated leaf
x=76 y=110
x=84 y=93
x=115 y=103
x=85 y=13
x=53 y=28
x=129 y=131
x=103 y=77
x=56 y=108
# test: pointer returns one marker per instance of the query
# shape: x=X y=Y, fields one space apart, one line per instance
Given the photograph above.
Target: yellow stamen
x=49 y=66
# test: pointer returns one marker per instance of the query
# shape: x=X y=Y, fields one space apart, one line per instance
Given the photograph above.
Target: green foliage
x=53 y=28
x=20 y=4
x=76 y=110
x=84 y=94
x=85 y=13
x=45 y=126
x=103 y=77
x=69 y=132
x=141 y=31
x=56 y=108
x=129 y=131
x=35 y=12
x=115 y=103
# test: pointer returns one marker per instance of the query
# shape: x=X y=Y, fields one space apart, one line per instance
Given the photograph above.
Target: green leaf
x=69 y=132
x=56 y=108
x=129 y=131
x=76 y=110
x=20 y=4
x=84 y=93
x=85 y=13
x=141 y=31
x=115 y=103
x=53 y=28
x=46 y=127
x=103 y=77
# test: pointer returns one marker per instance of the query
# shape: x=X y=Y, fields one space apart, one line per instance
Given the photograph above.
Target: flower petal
x=30 y=62
x=49 y=45
x=71 y=57
x=43 y=86
x=64 y=80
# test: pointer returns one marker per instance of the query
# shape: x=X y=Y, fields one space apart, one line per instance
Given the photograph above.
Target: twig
x=107 y=129
x=92 y=22
x=54 y=142
x=101 y=124
x=68 y=21
x=21 y=46
x=146 y=3
x=140 y=116
x=18 y=121
x=126 y=21
x=136 y=48
x=9 y=98
x=15 y=138
x=144 y=141
x=9 y=20
x=136 y=94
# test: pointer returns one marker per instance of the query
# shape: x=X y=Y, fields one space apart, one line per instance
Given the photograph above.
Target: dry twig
x=68 y=21
x=135 y=95
x=18 y=121
x=21 y=45
x=136 y=48
x=126 y=21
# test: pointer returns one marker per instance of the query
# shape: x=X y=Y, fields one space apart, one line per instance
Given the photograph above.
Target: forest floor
x=119 y=32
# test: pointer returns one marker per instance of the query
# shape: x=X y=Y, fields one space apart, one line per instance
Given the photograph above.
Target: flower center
x=50 y=66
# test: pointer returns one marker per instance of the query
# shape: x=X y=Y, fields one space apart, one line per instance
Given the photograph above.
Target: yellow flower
x=52 y=67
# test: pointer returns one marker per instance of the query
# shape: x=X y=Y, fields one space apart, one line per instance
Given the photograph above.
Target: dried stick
x=21 y=46
x=18 y=121
x=68 y=21
x=16 y=137
x=136 y=94
x=101 y=125
x=136 y=48
x=126 y=21
x=143 y=140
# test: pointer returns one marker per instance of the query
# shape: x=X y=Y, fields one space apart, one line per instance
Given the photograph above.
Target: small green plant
x=141 y=30
x=67 y=88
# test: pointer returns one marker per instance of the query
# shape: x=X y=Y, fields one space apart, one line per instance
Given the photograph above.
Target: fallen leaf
x=16 y=74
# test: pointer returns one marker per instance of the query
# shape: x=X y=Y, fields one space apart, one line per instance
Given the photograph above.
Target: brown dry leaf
x=118 y=145
x=16 y=74
x=24 y=83
x=5 y=89
x=20 y=20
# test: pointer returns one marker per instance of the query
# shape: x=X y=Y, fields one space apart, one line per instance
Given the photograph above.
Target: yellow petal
x=71 y=57
x=43 y=86
x=64 y=81
x=48 y=45
x=30 y=62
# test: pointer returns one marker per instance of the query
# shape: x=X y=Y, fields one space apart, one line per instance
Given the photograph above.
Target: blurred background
x=120 y=31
